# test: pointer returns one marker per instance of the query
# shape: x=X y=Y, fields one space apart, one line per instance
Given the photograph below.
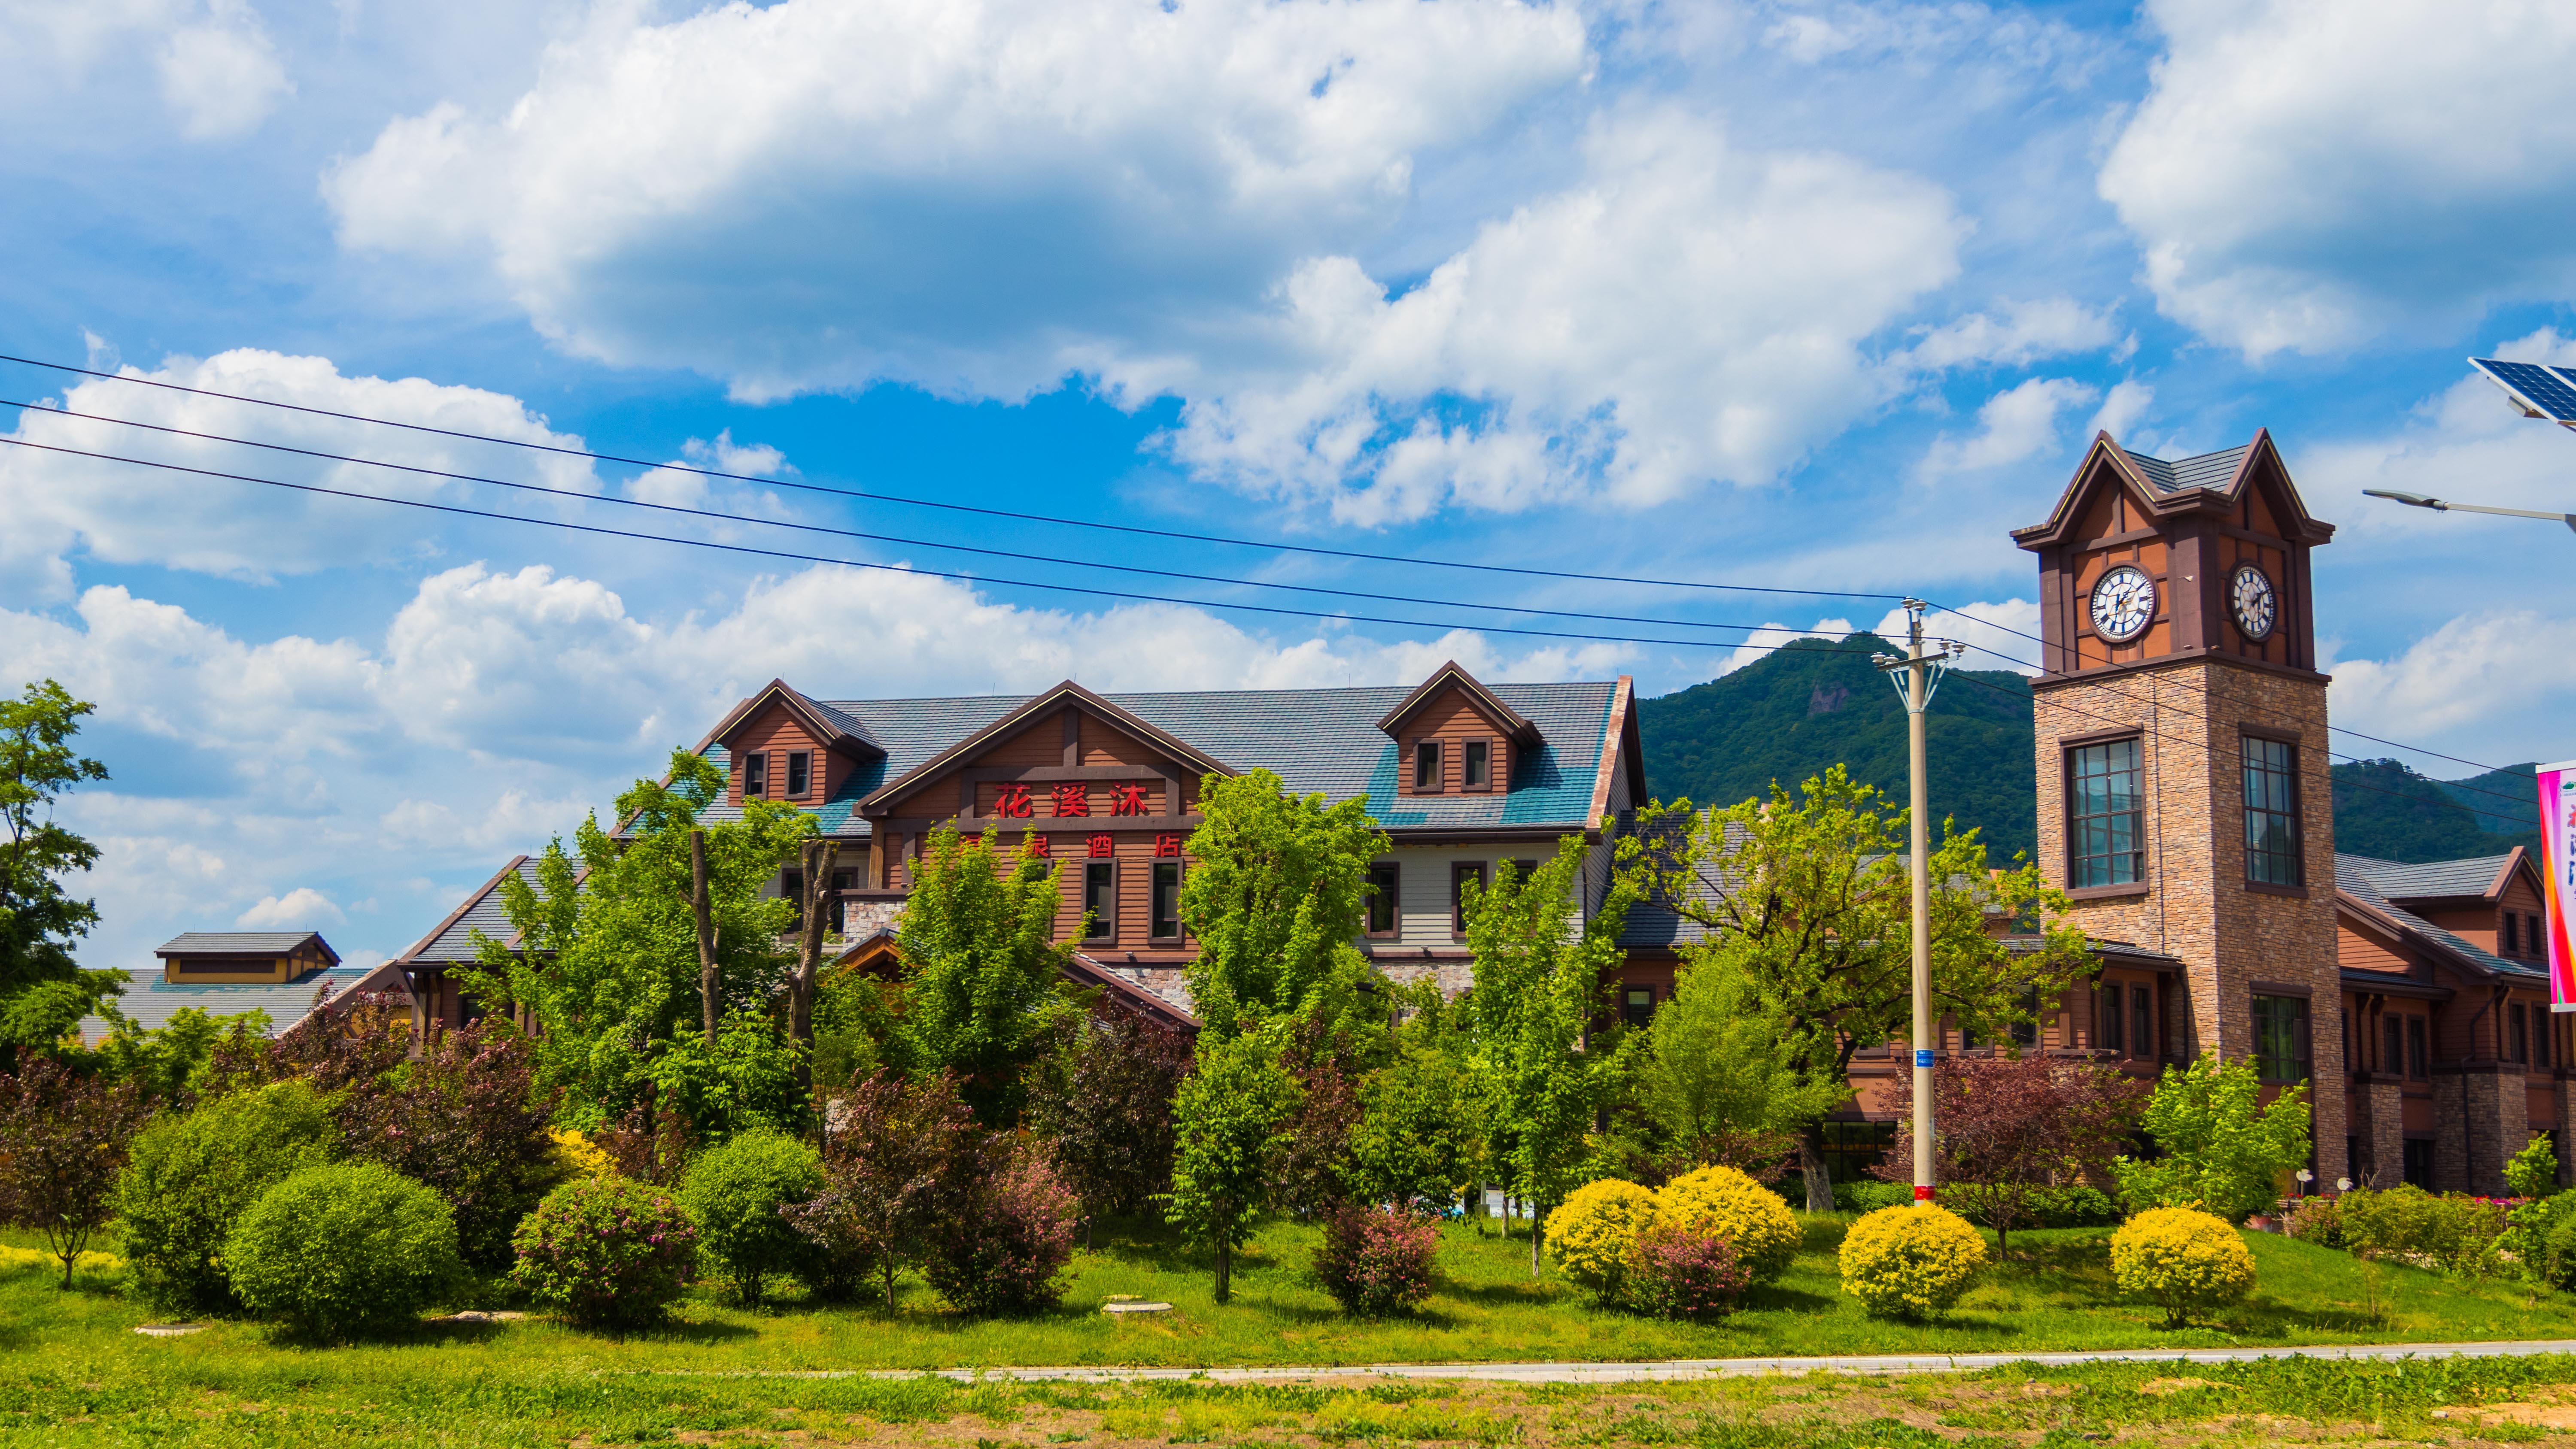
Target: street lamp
x=2535 y=390
x=2418 y=500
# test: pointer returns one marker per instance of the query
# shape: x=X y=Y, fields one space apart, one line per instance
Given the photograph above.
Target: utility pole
x=1916 y=676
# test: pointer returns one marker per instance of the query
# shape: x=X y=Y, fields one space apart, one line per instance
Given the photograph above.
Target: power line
x=911 y=502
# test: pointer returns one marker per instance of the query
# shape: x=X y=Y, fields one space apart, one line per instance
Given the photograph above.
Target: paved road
x=1679 y=1369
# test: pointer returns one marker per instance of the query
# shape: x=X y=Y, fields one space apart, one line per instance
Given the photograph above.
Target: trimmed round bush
x=1593 y=1234
x=1723 y=1202
x=332 y=1251
x=188 y=1178
x=2187 y=1260
x=608 y=1252
x=1004 y=1251
x=1912 y=1261
x=1681 y=1272
x=1376 y=1260
x=733 y=1193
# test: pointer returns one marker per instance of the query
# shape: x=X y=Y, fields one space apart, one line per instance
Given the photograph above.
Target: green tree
x=1423 y=1128
x=1230 y=1113
x=1275 y=895
x=606 y=950
x=39 y=920
x=1717 y=1083
x=1541 y=986
x=984 y=991
x=1807 y=897
x=2218 y=1146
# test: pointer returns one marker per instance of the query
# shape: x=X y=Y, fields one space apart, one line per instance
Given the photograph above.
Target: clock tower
x=2185 y=804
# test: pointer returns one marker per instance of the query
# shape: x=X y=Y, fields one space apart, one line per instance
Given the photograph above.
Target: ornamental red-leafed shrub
x=1003 y=1246
x=1679 y=1273
x=1377 y=1260
x=609 y=1252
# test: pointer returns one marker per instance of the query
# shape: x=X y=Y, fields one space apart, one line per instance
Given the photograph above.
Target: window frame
x=2110 y=1022
x=2419 y=1048
x=1459 y=871
x=1429 y=752
x=1468 y=750
x=1153 y=888
x=755 y=775
x=2282 y=1038
x=2518 y=1024
x=800 y=762
x=2079 y=822
x=1628 y=1014
x=2143 y=1023
x=1393 y=896
x=2292 y=857
x=1104 y=922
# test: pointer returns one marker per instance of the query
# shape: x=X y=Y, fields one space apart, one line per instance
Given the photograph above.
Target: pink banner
x=2558 y=851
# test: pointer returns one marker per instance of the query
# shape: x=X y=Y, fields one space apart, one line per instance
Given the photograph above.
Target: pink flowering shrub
x=1375 y=1260
x=1678 y=1273
x=1006 y=1233
x=609 y=1252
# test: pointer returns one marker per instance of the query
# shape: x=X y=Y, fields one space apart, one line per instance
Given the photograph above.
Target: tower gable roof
x=2208 y=483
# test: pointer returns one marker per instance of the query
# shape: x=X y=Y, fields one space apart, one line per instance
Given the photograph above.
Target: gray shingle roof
x=2370 y=881
x=238 y=943
x=454 y=941
x=1323 y=740
x=2208 y=470
x=151 y=1001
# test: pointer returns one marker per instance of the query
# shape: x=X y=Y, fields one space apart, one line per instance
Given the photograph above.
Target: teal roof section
x=1316 y=740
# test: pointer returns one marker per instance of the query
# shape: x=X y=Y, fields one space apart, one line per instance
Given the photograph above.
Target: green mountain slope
x=1817 y=701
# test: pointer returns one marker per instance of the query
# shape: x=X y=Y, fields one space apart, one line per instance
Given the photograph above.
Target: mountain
x=1811 y=703
x=1787 y=716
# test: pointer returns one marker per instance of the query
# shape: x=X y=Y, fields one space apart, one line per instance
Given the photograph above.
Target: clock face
x=2124 y=604
x=2249 y=594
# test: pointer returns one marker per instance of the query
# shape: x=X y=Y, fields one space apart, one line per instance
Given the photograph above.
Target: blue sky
x=1809 y=296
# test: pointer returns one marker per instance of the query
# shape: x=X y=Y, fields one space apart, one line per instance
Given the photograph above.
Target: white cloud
x=2309 y=174
x=221 y=75
x=2013 y=425
x=2048 y=327
x=59 y=502
x=2000 y=635
x=301 y=908
x=1693 y=311
x=2122 y=407
x=1964 y=40
x=967 y=195
x=2470 y=672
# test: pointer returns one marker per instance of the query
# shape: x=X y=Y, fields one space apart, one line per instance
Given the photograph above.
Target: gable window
x=2272 y=813
x=2105 y=834
x=800 y=773
x=1100 y=900
x=2392 y=1046
x=755 y=776
x=2281 y=1038
x=2419 y=1060
x=2509 y=935
x=2519 y=1021
x=1639 y=1007
x=1164 y=923
x=1426 y=767
x=1460 y=873
x=1478 y=758
x=1381 y=902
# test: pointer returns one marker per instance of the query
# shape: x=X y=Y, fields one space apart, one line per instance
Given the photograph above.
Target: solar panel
x=2548 y=391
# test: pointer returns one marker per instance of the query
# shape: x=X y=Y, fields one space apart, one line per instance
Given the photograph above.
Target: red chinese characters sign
x=1039 y=849
x=1072 y=800
x=1167 y=844
x=1012 y=802
x=1101 y=846
x=1126 y=799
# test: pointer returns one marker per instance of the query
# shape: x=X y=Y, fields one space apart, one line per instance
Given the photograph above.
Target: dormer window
x=755 y=776
x=1426 y=767
x=800 y=773
x=1478 y=756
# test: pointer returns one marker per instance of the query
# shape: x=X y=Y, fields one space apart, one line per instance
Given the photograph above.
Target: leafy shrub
x=2317 y=1220
x=2183 y=1259
x=336 y=1249
x=2222 y=1147
x=2555 y=1260
x=890 y=1148
x=2533 y=1172
x=1911 y=1261
x=1003 y=1242
x=1865 y=1196
x=576 y=1155
x=1107 y=1110
x=733 y=1194
x=63 y=1136
x=1682 y=1272
x=1375 y=1260
x=1725 y=1203
x=609 y=1251
x=189 y=1177
x=2447 y=1231
x=465 y=1119
x=1593 y=1234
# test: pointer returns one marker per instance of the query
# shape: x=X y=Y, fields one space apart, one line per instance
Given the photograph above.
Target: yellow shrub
x=1911 y=1261
x=18 y=1260
x=579 y=1155
x=2182 y=1258
x=1725 y=1203
x=1593 y=1232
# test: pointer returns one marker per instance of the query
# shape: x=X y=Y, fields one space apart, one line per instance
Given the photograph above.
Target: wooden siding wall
x=1452 y=718
x=776 y=732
